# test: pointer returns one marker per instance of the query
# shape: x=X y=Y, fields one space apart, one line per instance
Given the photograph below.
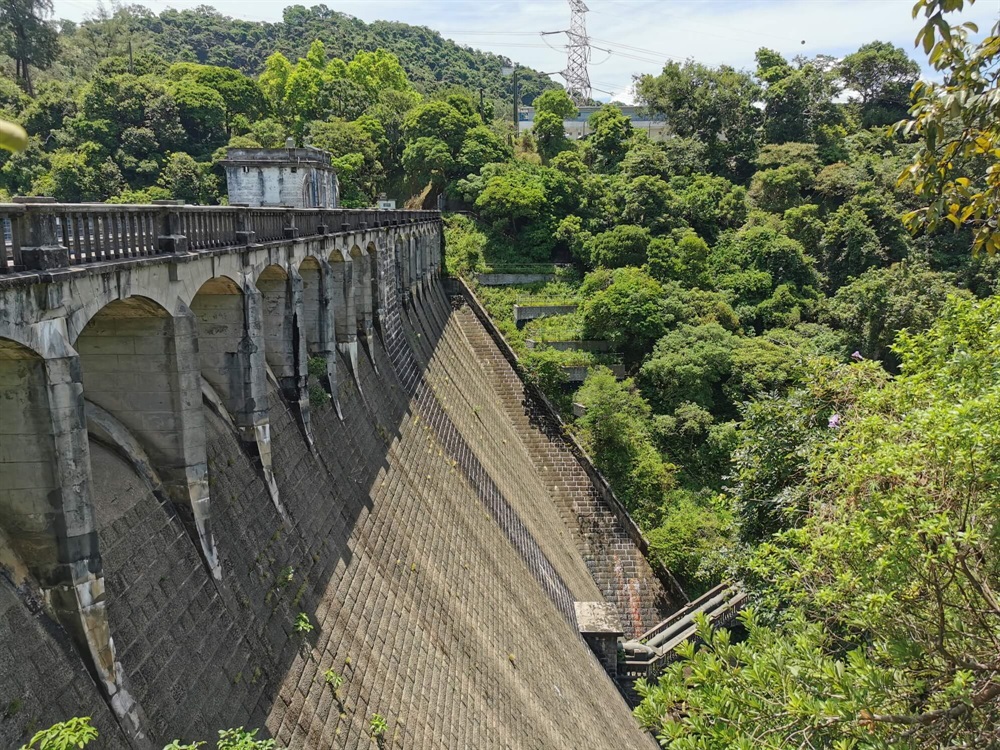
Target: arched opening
x=279 y=322
x=220 y=311
x=361 y=272
x=140 y=366
x=399 y=252
x=343 y=299
x=29 y=481
x=129 y=367
x=374 y=282
x=312 y=299
x=408 y=251
x=310 y=199
x=421 y=260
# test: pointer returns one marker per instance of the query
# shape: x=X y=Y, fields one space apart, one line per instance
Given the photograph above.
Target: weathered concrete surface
x=609 y=541
x=395 y=562
x=42 y=678
x=578 y=373
x=415 y=531
x=575 y=345
x=300 y=177
x=508 y=279
x=524 y=313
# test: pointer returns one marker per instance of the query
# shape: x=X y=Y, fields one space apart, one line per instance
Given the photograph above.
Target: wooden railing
x=39 y=234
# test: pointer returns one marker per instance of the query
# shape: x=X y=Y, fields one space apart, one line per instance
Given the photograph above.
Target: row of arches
x=142 y=361
x=146 y=360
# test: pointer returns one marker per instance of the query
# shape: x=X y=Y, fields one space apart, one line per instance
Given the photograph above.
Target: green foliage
x=240 y=739
x=73 y=733
x=624 y=245
x=684 y=260
x=886 y=636
x=881 y=74
x=798 y=100
x=957 y=129
x=303 y=624
x=692 y=542
x=615 y=431
x=556 y=102
x=354 y=154
x=550 y=134
x=688 y=365
x=880 y=303
x=27 y=37
x=715 y=106
x=377 y=726
x=610 y=133
x=512 y=199
x=630 y=309
x=333 y=679
x=185 y=179
x=777 y=190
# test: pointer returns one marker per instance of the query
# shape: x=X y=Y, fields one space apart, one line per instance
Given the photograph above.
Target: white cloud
x=710 y=31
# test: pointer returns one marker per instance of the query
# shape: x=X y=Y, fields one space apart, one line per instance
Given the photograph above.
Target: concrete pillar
x=312 y=291
x=231 y=347
x=325 y=347
x=279 y=327
x=399 y=254
x=343 y=297
x=408 y=266
x=376 y=284
x=45 y=503
x=140 y=364
x=346 y=316
x=286 y=338
x=362 y=290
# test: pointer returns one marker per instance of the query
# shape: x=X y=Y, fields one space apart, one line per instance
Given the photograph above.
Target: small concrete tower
x=290 y=176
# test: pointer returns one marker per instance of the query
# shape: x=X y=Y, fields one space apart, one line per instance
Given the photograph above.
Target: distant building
x=295 y=177
x=654 y=125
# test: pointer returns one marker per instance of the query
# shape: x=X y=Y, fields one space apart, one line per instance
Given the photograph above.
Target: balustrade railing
x=40 y=234
x=11 y=237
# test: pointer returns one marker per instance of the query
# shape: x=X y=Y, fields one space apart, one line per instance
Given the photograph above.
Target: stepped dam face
x=288 y=484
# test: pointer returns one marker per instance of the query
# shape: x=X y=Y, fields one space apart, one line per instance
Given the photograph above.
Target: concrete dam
x=263 y=468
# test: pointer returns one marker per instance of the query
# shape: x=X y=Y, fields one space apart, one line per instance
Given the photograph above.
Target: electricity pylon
x=577 y=76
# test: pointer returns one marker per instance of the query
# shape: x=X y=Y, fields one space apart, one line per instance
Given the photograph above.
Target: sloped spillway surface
x=424 y=550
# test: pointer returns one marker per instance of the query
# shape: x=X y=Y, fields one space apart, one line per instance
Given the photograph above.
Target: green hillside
x=204 y=35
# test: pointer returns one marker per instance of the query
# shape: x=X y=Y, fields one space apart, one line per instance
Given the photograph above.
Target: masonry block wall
x=405 y=521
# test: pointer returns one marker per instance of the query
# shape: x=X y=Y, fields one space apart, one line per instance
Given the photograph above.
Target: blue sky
x=710 y=31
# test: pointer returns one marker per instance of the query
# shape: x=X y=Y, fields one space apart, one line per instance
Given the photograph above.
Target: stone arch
x=33 y=497
x=422 y=252
x=139 y=364
x=343 y=299
x=361 y=289
x=312 y=300
x=399 y=255
x=375 y=282
x=219 y=308
x=281 y=327
x=46 y=509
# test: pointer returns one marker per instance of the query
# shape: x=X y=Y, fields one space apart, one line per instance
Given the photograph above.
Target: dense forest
x=130 y=106
x=797 y=384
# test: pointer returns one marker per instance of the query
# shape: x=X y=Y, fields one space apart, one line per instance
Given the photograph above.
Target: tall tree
x=882 y=75
x=27 y=37
x=717 y=106
x=955 y=171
